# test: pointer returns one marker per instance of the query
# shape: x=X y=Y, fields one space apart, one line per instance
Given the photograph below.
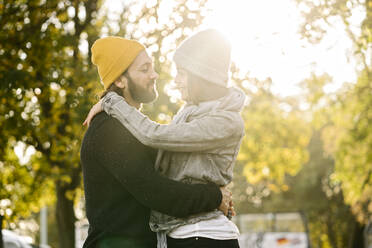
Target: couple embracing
x=152 y=185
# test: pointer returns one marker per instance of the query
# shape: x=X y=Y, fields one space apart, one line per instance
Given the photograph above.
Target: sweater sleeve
x=206 y=133
x=125 y=158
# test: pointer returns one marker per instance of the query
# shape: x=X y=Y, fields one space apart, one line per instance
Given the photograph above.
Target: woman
x=201 y=143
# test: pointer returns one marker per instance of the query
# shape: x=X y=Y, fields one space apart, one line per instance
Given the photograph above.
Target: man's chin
x=151 y=97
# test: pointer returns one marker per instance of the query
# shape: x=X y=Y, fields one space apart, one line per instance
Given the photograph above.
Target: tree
x=312 y=190
x=348 y=135
x=274 y=146
x=352 y=146
x=41 y=82
x=47 y=85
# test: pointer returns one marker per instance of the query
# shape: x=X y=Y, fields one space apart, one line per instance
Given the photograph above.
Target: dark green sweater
x=121 y=185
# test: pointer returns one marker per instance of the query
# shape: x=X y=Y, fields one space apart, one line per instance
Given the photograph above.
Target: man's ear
x=121 y=82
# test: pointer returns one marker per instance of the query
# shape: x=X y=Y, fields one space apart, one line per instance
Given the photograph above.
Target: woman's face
x=181 y=83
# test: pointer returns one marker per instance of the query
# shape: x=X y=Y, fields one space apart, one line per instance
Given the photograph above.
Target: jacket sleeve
x=206 y=133
x=128 y=161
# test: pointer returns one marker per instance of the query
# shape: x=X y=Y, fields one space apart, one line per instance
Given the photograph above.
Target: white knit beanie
x=207 y=55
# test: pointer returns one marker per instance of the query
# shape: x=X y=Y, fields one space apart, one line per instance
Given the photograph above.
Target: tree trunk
x=331 y=233
x=1 y=232
x=358 y=238
x=65 y=218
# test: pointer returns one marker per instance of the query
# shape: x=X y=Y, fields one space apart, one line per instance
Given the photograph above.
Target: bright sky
x=266 y=43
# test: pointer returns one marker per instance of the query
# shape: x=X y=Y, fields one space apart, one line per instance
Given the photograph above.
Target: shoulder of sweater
x=232 y=117
x=108 y=128
x=108 y=125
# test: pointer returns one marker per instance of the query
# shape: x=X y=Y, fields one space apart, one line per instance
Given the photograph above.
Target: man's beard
x=139 y=93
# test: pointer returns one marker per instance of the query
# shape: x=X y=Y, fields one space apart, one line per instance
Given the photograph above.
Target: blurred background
x=303 y=175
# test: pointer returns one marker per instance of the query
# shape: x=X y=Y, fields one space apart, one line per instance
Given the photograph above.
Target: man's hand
x=226 y=200
x=231 y=212
x=93 y=111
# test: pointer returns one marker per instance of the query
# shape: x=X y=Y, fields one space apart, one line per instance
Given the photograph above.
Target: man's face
x=142 y=78
x=181 y=83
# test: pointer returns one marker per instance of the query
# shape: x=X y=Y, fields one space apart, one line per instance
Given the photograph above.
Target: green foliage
x=337 y=173
x=347 y=114
x=311 y=191
x=276 y=138
x=20 y=191
x=353 y=146
x=48 y=84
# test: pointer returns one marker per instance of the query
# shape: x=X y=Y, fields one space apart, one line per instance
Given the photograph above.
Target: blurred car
x=13 y=240
x=273 y=230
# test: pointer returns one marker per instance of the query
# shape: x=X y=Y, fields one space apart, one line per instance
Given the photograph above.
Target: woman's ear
x=121 y=82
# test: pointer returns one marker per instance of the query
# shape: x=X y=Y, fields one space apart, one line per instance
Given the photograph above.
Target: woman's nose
x=154 y=75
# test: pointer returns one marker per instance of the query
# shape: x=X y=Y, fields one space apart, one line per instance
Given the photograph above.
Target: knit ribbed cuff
x=216 y=196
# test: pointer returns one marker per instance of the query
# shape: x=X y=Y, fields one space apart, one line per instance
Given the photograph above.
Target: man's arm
x=209 y=132
x=124 y=157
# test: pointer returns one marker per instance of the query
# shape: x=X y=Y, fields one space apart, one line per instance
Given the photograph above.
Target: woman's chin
x=184 y=98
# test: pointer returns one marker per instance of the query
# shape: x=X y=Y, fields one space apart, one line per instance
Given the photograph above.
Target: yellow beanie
x=113 y=55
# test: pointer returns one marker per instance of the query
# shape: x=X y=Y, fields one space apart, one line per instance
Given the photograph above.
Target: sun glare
x=266 y=42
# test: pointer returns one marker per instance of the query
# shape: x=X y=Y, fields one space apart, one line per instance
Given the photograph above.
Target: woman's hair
x=201 y=90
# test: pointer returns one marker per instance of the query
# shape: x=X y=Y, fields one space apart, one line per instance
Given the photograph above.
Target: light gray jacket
x=199 y=146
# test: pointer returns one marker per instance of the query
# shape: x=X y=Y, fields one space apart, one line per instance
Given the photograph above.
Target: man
x=121 y=185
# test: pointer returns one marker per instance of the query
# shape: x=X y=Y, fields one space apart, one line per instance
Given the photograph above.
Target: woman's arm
x=211 y=131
